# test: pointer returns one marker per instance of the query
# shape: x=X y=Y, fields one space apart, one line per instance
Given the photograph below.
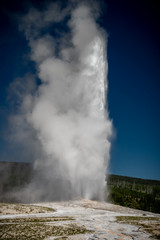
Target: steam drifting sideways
x=68 y=110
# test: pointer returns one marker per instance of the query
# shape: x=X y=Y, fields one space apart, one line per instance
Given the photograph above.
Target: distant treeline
x=13 y=176
x=134 y=192
x=126 y=191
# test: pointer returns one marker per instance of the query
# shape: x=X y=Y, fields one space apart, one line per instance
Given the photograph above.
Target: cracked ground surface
x=80 y=219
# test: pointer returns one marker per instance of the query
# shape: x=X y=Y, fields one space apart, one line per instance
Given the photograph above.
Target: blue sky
x=133 y=96
x=133 y=56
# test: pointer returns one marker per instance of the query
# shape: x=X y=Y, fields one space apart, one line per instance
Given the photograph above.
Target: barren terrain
x=79 y=219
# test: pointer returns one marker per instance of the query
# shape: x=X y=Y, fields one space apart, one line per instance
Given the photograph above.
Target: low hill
x=126 y=191
x=134 y=192
x=13 y=176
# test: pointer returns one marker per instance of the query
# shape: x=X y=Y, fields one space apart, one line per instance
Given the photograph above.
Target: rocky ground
x=80 y=219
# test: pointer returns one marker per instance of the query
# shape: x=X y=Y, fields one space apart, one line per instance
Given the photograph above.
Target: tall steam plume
x=68 y=111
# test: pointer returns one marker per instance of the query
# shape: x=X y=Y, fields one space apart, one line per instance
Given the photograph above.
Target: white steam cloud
x=68 y=110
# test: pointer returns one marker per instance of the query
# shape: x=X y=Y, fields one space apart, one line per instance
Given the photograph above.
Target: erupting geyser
x=68 y=111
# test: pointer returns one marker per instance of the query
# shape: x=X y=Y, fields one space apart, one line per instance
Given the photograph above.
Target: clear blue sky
x=134 y=69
